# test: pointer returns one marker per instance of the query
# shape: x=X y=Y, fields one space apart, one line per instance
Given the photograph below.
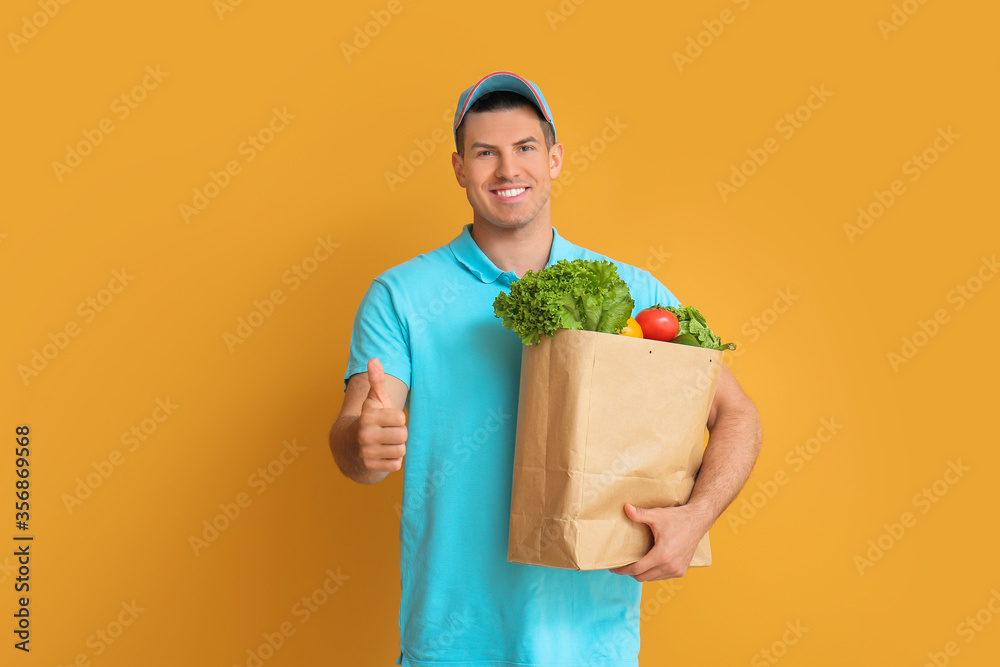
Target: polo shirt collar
x=561 y=249
x=468 y=253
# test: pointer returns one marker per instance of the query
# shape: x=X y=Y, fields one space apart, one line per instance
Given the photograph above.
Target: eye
x=528 y=147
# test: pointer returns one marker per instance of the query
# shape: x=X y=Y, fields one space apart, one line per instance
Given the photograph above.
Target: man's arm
x=734 y=441
x=368 y=438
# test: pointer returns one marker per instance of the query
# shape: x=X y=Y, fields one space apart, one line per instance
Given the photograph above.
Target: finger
x=659 y=574
x=648 y=575
x=376 y=378
x=390 y=435
x=634 y=514
x=627 y=571
x=388 y=417
x=385 y=465
x=637 y=514
x=386 y=452
x=635 y=569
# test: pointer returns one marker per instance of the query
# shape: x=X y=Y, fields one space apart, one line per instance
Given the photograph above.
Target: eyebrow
x=526 y=140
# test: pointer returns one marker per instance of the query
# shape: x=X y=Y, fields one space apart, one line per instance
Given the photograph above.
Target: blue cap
x=502 y=81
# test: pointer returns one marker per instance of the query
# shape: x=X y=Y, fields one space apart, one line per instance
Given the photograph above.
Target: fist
x=381 y=427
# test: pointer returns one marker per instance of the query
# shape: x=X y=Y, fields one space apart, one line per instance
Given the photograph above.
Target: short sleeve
x=650 y=292
x=378 y=332
x=664 y=297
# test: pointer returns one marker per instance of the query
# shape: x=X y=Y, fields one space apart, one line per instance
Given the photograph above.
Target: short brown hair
x=503 y=100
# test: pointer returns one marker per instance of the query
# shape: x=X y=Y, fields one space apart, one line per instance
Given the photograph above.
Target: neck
x=518 y=250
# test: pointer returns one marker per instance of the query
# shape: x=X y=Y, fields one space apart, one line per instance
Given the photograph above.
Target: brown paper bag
x=605 y=420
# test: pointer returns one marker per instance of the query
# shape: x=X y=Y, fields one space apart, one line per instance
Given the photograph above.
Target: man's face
x=506 y=171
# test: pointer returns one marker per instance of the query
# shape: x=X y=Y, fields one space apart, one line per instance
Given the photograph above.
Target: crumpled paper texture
x=605 y=420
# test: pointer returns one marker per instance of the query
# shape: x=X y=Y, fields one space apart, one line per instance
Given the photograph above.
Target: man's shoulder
x=646 y=288
x=629 y=272
x=427 y=266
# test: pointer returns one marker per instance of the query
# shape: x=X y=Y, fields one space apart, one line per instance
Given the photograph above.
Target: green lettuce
x=578 y=294
x=692 y=322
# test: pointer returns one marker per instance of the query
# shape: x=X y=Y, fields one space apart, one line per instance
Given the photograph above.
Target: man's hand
x=676 y=532
x=381 y=428
x=733 y=444
x=368 y=438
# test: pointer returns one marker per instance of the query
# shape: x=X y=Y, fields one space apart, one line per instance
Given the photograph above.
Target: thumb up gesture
x=381 y=427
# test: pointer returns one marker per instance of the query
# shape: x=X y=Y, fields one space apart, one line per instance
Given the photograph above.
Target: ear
x=555 y=160
x=458 y=164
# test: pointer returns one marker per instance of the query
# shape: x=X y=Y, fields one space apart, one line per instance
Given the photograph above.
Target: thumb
x=636 y=514
x=376 y=378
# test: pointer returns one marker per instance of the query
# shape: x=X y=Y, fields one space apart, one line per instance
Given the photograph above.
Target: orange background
x=793 y=551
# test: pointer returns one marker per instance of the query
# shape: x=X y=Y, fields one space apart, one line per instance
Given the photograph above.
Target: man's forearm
x=344 y=445
x=733 y=445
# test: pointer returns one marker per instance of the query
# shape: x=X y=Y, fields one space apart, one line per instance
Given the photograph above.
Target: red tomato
x=658 y=324
x=632 y=328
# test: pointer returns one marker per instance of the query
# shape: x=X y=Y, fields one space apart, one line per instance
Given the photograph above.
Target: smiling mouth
x=509 y=194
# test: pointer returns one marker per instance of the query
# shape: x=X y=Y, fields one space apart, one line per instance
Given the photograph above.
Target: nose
x=508 y=168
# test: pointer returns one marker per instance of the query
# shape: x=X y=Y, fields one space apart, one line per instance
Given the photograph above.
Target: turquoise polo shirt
x=430 y=322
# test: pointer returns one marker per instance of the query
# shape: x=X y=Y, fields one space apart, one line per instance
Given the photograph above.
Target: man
x=425 y=337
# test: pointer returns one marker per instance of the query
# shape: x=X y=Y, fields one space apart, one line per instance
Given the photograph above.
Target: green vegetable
x=686 y=339
x=581 y=294
x=694 y=328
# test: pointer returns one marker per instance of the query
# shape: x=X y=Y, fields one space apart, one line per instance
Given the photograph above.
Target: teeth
x=510 y=193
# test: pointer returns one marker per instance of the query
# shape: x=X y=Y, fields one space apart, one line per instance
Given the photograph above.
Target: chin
x=504 y=224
